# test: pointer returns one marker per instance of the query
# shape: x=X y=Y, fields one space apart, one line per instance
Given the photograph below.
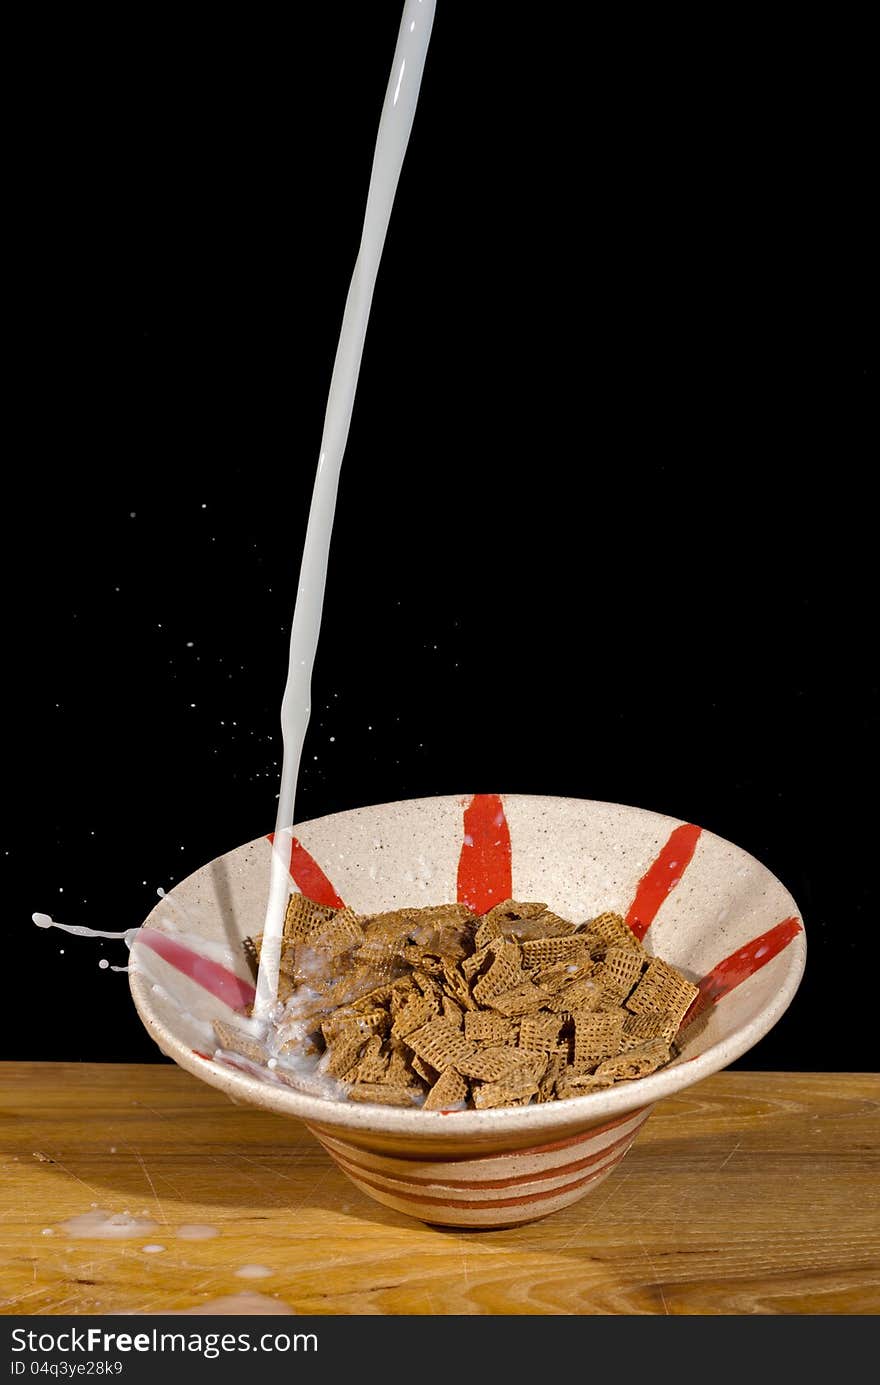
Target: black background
x=603 y=527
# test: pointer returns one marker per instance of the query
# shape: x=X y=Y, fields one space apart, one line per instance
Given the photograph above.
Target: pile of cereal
x=439 y=1008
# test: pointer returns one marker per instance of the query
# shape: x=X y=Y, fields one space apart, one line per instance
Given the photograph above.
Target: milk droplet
x=196 y=1231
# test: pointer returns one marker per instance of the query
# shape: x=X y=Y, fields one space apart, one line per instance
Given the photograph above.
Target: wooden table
x=750 y=1193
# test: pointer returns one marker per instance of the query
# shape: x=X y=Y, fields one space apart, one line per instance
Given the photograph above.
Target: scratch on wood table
x=725 y=1162
x=748 y=1193
x=143 y=1164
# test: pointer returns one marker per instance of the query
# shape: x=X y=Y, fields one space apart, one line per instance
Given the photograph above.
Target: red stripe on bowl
x=662 y=877
x=308 y=876
x=740 y=965
x=580 y=1139
x=327 y=1133
x=511 y=1181
x=484 y=867
x=233 y=990
x=482 y=1204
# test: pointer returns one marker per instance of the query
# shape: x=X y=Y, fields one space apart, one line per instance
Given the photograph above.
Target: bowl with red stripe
x=693 y=898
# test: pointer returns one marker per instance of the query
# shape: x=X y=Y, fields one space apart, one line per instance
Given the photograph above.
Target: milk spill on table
x=101 y=1225
x=394 y=131
x=196 y=1231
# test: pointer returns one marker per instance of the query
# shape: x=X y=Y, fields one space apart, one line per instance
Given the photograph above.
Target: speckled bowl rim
x=543 y=1119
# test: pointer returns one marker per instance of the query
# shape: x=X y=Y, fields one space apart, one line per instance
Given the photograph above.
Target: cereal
x=540 y=1032
x=438 y=915
x=347 y=1021
x=596 y=1037
x=612 y=929
x=438 y=1008
x=484 y=1026
x=620 y=970
x=450 y=1089
x=429 y=989
x=417 y=1011
x=382 y=1094
x=401 y=1072
x=547 y=1085
x=252 y=954
x=286 y=987
x=476 y=962
x=455 y=985
x=511 y=910
x=639 y=1028
x=583 y=992
x=542 y=926
x=503 y=975
x=504 y=1093
x=579 y=1084
x=638 y=1062
x=424 y=1070
x=543 y=952
x=452 y=1011
x=373 y=1066
x=440 y=1044
x=234 y=1041
x=500 y=919
x=336 y=935
x=494 y=1064
x=662 y=988
x=303 y=917
x=420 y=957
x=343 y=1053
x=521 y=1000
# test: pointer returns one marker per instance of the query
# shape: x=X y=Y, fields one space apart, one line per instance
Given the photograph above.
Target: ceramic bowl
x=698 y=901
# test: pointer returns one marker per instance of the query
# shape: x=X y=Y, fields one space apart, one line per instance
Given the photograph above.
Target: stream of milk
x=395 y=125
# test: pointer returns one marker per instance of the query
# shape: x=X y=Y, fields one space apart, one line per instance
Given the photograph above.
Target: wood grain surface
x=749 y=1193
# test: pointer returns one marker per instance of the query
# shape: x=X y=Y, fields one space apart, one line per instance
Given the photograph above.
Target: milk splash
x=80 y=931
x=46 y=921
x=394 y=132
